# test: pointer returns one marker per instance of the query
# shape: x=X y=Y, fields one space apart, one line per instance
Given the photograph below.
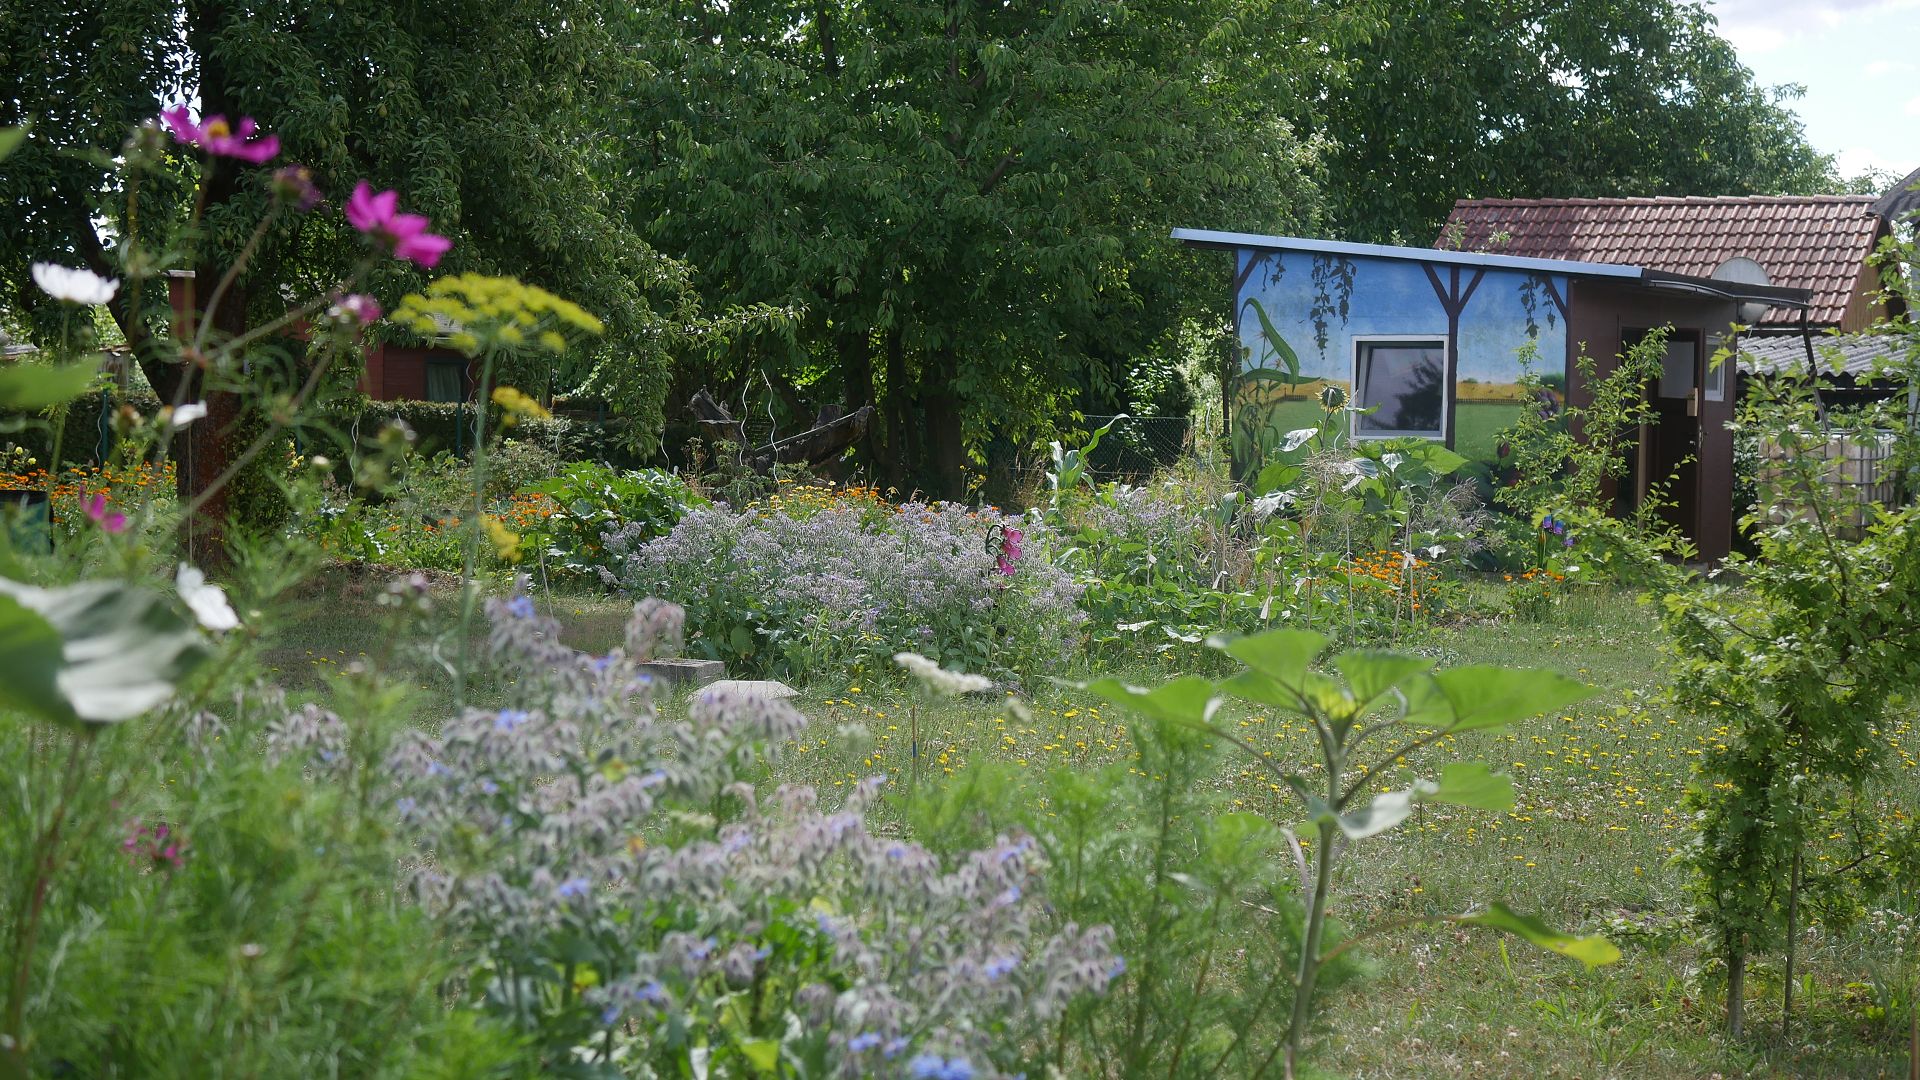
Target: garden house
x=393 y=372
x=1436 y=343
x=1821 y=243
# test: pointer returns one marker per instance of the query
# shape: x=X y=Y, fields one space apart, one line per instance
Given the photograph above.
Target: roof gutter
x=1771 y=295
x=1233 y=241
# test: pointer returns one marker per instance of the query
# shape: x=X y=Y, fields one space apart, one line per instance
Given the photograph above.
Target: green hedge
x=88 y=439
x=438 y=427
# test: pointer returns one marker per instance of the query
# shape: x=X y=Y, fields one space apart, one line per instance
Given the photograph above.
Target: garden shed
x=1436 y=343
x=393 y=371
x=1821 y=243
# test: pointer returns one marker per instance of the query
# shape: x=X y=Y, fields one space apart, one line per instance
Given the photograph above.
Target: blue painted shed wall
x=1318 y=304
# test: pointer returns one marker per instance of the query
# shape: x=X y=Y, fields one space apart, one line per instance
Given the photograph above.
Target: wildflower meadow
x=526 y=733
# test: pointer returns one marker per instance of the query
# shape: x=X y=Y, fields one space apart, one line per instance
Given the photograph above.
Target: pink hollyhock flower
x=156 y=844
x=217 y=137
x=1010 y=551
x=378 y=216
x=113 y=522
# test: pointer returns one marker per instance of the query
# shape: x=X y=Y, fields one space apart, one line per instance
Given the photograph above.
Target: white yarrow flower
x=208 y=602
x=73 y=286
x=187 y=414
x=939 y=679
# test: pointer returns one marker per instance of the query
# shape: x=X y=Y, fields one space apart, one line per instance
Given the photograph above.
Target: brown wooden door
x=1668 y=468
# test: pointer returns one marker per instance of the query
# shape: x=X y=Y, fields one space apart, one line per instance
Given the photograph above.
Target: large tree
x=970 y=201
x=477 y=111
x=1530 y=98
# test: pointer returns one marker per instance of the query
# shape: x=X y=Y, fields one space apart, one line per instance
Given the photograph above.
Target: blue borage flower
x=848 y=580
x=574 y=792
x=935 y=1067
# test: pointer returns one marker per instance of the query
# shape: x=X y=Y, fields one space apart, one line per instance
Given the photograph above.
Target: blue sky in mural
x=1395 y=297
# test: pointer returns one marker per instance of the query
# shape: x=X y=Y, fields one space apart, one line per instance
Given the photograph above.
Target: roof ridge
x=1670 y=200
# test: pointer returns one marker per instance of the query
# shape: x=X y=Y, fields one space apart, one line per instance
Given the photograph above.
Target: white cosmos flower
x=187 y=414
x=208 y=602
x=73 y=286
x=939 y=679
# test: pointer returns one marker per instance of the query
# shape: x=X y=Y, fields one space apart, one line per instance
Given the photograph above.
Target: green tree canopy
x=970 y=201
x=475 y=110
x=1462 y=99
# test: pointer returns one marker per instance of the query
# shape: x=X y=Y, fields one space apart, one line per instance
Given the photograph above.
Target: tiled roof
x=1901 y=199
x=1844 y=354
x=1813 y=242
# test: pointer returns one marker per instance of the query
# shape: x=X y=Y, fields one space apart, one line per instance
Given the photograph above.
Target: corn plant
x=1373 y=717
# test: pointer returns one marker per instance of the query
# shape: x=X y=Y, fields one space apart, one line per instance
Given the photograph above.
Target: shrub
x=515 y=465
x=590 y=498
x=771 y=592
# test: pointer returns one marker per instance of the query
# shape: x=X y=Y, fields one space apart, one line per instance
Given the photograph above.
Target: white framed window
x=1403 y=379
x=1716 y=389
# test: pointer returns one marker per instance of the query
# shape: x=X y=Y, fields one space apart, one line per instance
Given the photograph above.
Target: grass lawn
x=1590 y=846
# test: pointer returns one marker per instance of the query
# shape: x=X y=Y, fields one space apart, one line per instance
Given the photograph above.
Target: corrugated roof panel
x=1850 y=354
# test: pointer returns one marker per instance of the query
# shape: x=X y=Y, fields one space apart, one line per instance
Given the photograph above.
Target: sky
x=1857 y=61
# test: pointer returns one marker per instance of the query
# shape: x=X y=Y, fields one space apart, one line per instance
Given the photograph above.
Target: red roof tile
x=1813 y=242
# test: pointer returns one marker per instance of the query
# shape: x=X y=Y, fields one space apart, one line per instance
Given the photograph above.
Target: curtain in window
x=445 y=382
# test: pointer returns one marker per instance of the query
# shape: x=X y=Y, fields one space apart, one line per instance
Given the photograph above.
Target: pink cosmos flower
x=378 y=216
x=113 y=522
x=294 y=185
x=217 y=137
x=155 y=844
x=358 y=307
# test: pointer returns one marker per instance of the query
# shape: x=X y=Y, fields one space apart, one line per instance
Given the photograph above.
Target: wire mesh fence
x=1137 y=445
x=1131 y=451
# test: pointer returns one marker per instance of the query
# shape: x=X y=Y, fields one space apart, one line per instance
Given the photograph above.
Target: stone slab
x=685 y=673
x=767 y=688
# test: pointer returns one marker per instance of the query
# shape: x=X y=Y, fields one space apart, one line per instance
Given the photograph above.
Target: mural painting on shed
x=1395 y=334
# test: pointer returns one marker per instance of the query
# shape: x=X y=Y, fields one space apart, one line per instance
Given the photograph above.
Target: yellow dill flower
x=506 y=542
x=471 y=311
x=517 y=404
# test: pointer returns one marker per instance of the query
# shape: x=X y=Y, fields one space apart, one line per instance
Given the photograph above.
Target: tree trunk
x=893 y=470
x=946 y=446
x=856 y=365
x=204 y=450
